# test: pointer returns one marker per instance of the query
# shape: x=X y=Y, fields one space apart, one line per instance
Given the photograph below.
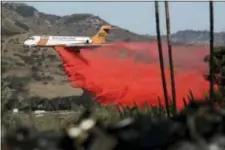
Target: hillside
x=30 y=74
x=38 y=73
x=197 y=37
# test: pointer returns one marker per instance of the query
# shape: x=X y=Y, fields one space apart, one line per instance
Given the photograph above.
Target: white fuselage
x=56 y=40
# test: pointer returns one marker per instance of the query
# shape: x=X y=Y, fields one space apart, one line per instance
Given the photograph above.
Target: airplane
x=70 y=42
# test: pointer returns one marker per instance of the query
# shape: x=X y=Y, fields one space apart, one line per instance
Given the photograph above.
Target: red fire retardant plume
x=128 y=74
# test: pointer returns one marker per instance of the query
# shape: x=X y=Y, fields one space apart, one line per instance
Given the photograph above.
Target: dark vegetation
x=22 y=25
x=199 y=126
x=16 y=82
x=76 y=17
x=54 y=104
x=8 y=32
x=219 y=70
x=22 y=9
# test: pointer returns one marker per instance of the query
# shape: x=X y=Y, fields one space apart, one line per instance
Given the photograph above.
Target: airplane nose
x=26 y=43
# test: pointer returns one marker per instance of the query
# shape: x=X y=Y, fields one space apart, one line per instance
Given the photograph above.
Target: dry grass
x=57 y=120
x=52 y=90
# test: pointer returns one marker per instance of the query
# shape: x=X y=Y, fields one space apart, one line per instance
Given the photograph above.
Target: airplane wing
x=83 y=46
x=78 y=47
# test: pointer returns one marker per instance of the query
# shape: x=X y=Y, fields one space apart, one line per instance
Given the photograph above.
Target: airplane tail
x=100 y=37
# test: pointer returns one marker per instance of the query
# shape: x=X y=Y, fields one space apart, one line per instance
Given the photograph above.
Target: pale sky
x=139 y=17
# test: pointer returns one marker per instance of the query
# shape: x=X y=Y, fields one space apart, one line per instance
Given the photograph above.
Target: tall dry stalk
x=173 y=88
x=211 y=19
x=161 y=57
